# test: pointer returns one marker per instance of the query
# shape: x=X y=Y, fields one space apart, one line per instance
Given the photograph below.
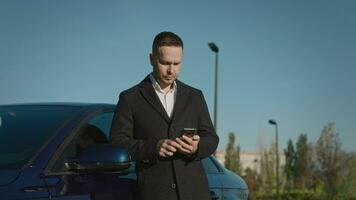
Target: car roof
x=71 y=104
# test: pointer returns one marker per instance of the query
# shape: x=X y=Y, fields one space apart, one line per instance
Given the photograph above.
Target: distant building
x=248 y=159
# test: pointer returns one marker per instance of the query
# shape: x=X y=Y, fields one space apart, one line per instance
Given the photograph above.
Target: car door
x=213 y=172
x=73 y=185
x=233 y=187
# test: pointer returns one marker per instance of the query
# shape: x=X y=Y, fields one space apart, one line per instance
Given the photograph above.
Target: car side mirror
x=96 y=158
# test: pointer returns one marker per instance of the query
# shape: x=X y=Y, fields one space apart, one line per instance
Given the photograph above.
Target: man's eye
x=164 y=63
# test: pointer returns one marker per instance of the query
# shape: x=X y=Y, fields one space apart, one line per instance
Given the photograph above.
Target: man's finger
x=196 y=138
x=171 y=149
x=165 y=152
x=162 y=154
x=184 y=145
x=169 y=153
x=165 y=144
x=187 y=139
x=174 y=144
x=186 y=151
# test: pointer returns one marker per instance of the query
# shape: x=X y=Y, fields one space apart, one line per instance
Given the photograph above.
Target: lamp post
x=273 y=122
x=215 y=49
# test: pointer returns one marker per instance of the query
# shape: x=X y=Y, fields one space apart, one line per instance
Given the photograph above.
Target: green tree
x=302 y=163
x=253 y=181
x=268 y=169
x=289 y=168
x=328 y=156
x=348 y=182
x=346 y=185
x=232 y=155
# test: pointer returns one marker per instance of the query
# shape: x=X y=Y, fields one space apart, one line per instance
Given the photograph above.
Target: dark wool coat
x=140 y=121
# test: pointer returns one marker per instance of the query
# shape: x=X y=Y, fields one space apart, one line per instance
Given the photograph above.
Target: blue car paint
x=29 y=182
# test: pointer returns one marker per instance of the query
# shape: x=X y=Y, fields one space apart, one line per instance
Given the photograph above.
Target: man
x=149 y=120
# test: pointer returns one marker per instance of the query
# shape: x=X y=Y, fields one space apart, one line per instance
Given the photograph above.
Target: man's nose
x=170 y=68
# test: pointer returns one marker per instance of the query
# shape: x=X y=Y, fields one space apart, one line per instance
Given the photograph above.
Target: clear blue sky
x=293 y=61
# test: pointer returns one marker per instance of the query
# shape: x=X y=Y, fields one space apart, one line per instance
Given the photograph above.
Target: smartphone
x=190 y=132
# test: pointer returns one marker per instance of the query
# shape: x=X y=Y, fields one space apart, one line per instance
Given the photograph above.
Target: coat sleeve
x=122 y=133
x=208 y=138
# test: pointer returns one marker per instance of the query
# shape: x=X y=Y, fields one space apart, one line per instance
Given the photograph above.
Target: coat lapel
x=151 y=97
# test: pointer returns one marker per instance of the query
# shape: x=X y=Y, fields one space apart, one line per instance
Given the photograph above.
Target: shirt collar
x=158 y=88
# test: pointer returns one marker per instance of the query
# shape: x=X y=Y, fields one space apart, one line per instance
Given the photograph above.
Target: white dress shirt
x=167 y=98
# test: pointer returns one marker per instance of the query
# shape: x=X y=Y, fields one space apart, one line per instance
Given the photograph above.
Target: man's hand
x=166 y=148
x=189 y=145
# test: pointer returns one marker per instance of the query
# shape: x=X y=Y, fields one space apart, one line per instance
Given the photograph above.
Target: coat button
x=173 y=186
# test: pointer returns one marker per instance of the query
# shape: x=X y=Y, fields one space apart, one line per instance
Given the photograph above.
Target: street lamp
x=215 y=49
x=273 y=122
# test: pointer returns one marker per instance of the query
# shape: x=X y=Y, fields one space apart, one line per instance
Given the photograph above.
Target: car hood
x=8 y=176
x=234 y=181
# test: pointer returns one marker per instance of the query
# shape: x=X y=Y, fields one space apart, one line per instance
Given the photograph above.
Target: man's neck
x=164 y=87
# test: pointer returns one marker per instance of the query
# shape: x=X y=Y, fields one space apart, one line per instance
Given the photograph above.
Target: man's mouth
x=169 y=78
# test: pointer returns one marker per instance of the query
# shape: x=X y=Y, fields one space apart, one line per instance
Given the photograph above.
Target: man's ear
x=151 y=59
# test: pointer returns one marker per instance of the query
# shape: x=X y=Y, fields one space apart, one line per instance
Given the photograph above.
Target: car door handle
x=214 y=196
x=34 y=189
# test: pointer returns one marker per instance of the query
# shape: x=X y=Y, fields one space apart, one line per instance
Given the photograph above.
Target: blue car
x=61 y=151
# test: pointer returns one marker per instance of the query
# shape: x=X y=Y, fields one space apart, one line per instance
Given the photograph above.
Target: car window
x=25 y=128
x=95 y=131
x=103 y=122
x=210 y=166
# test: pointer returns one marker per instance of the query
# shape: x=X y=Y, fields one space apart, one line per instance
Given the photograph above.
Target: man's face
x=166 y=64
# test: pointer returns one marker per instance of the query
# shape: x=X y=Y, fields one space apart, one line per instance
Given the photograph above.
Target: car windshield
x=24 y=129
